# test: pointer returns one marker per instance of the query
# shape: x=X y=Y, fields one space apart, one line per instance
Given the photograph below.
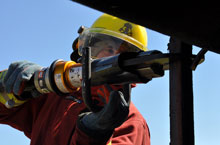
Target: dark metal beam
x=190 y=23
x=181 y=94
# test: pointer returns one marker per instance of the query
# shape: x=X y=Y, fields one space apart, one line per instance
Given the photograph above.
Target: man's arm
x=22 y=117
x=22 y=114
x=134 y=131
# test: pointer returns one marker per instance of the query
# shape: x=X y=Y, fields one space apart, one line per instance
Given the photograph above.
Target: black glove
x=104 y=122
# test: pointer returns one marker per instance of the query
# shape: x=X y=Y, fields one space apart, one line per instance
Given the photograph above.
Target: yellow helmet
x=110 y=31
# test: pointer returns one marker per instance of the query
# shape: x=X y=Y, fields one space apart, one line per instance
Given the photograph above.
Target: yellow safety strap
x=9 y=100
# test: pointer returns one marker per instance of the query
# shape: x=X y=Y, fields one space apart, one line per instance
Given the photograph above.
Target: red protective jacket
x=52 y=120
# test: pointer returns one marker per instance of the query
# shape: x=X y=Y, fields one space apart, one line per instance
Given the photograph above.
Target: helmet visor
x=105 y=43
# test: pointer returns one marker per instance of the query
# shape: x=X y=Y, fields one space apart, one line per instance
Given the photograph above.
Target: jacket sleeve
x=134 y=131
x=22 y=117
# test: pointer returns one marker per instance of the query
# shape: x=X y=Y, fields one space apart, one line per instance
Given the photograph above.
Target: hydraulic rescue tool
x=64 y=77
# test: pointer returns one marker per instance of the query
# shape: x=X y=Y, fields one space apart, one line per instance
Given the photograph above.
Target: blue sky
x=43 y=31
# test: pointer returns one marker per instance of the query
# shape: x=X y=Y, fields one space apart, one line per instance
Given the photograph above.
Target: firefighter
x=51 y=119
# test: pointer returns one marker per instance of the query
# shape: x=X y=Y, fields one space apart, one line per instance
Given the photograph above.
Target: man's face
x=107 y=47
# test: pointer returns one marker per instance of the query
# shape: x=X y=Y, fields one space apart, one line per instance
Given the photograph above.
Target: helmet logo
x=126 y=29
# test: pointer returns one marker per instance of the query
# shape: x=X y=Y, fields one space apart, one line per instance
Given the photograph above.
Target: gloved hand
x=18 y=74
x=103 y=123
